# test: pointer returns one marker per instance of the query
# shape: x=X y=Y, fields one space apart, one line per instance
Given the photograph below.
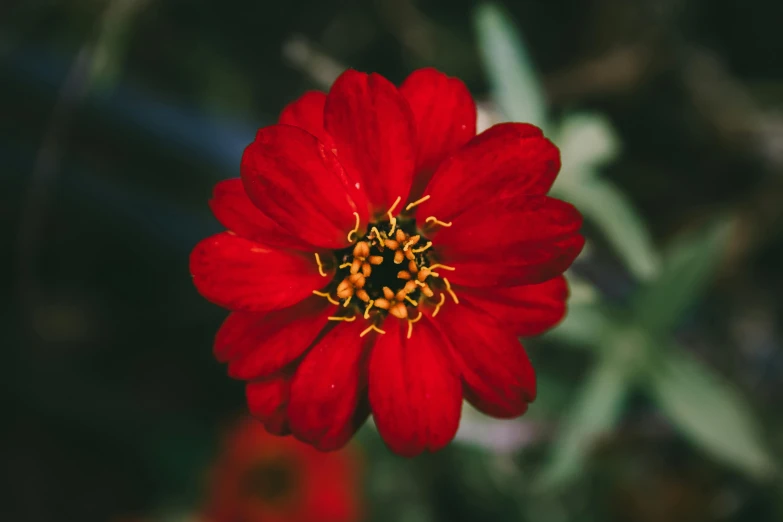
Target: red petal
x=237 y=213
x=239 y=274
x=507 y=159
x=294 y=179
x=415 y=392
x=263 y=344
x=327 y=389
x=497 y=373
x=445 y=117
x=267 y=401
x=528 y=310
x=373 y=131
x=515 y=241
x=307 y=112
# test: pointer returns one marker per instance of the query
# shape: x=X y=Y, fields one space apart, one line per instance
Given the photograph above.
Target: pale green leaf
x=515 y=83
x=586 y=325
x=687 y=267
x=610 y=211
x=709 y=411
x=585 y=141
x=111 y=45
x=594 y=413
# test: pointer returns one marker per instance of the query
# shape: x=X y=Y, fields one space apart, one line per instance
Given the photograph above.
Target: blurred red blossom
x=259 y=477
x=381 y=258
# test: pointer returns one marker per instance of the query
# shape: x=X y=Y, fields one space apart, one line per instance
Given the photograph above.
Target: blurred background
x=659 y=395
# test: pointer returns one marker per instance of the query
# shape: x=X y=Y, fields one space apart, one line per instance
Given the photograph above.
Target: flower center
x=271 y=480
x=387 y=271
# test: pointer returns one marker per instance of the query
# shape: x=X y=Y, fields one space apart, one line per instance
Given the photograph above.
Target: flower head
x=261 y=478
x=381 y=258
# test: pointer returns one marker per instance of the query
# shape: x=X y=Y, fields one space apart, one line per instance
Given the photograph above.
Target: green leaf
x=687 y=267
x=594 y=413
x=113 y=40
x=585 y=325
x=586 y=141
x=709 y=411
x=603 y=204
x=515 y=83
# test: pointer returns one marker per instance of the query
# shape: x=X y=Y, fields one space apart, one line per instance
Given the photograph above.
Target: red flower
x=381 y=258
x=261 y=478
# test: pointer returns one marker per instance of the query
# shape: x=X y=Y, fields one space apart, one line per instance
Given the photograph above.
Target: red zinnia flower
x=381 y=258
x=261 y=478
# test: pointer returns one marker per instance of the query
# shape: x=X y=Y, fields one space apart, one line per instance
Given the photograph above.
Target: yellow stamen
x=390 y=213
x=410 y=324
x=367 y=310
x=355 y=229
x=371 y=328
x=344 y=265
x=345 y=304
x=391 y=210
x=340 y=318
x=437 y=306
x=450 y=291
x=320 y=265
x=422 y=249
x=374 y=230
x=444 y=267
x=417 y=202
x=433 y=219
x=327 y=296
x=411 y=301
x=412 y=241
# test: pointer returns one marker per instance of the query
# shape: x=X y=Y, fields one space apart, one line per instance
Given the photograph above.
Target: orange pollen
x=388 y=270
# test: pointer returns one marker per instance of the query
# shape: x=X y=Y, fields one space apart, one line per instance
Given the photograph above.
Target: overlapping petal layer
x=300 y=184
x=499 y=379
x=238 y=214
x=414 y=391
x=240 y=274
x=258 y=345
x=327 y=392
x=267 y=400
x=518 y=240
x=526 y=310
x=445 y=116
x=509 y=159
x=307 y=112
x=374 y=136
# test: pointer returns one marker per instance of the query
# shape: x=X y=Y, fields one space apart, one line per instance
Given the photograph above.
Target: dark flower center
x=272 y=481
x=387 y=269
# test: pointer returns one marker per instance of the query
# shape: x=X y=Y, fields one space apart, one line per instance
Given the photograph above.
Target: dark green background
x=114 y=401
